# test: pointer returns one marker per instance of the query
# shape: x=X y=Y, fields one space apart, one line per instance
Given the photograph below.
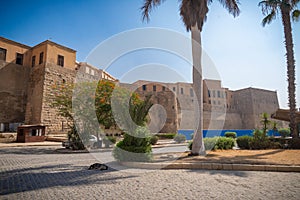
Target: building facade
x=27 y=75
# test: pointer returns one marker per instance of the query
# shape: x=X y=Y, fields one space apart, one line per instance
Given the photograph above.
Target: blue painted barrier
x=214 y=133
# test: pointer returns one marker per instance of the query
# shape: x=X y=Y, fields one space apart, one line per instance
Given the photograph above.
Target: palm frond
x=296 y=15
x=269 y=18
x=148 y=6
x=268 y=6
x=231 y=6
x=294 y=2
x=194 y=12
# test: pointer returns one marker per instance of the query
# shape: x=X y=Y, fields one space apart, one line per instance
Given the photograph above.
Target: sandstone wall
x=13 y=92
x=54 y=75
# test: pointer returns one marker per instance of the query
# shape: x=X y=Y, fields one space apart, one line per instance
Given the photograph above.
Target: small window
x=209 y=101
x=208 y=93
x=2 y=54
x=92 y=72
x=214 y=102
x=163 y=88
x=191 y=92
x=154 y=88
x=19 y=59
x=174 y=89
x=219 y=94
x=144 y=87
x=181 y=90
x=60 y=60
x=33 y=61
x=41 y=58
x=214 y=93
x=87 y=70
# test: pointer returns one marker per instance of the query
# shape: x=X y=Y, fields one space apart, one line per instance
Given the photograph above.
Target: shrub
x=190 y=145
x=179 y=138
x=166 y=136
x=244 y=141
x=210 y=143
x=230 y=134
x=153 y=140
x=260 y=140
x=224 y=143
x=108 y=140
x=216 y=143
x=284 y=132
x=134 y=147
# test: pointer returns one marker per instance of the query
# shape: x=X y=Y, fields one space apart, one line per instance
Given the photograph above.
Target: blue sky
x=244 y=53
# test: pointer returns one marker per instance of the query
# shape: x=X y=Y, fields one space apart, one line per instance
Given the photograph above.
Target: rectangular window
x=191 y=92
x=154 y=88
x=87 y=70
x=144 y=87
x=163 y=88
x=2 y=54
x=19 y=59
x=174 y=89
x=214 y=93
x=41 y=58
x=181 y=90
x=219 y=94
x=92 y=72
x=60 y=60
x=33 y=61
x=208 y=93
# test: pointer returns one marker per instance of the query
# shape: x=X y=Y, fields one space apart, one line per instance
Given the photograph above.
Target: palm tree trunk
x=198 y=144
x=286 y=20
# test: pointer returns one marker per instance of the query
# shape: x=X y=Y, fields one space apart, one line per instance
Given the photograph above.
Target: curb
x=212 y=166
x=29 y=144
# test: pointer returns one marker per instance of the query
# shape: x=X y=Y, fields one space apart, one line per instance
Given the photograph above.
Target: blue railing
x=214 y=133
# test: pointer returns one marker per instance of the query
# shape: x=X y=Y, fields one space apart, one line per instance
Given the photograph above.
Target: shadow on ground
x=28 y=179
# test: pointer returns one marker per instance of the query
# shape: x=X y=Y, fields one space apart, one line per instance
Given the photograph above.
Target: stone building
x=27 y=75
x=222 y=108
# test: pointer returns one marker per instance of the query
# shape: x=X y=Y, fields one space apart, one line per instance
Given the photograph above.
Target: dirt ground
x=272 y=157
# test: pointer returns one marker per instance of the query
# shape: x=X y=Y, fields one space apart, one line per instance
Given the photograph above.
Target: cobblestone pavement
x=42 y=173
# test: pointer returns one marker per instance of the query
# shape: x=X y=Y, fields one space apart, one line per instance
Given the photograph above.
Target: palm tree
x=287 y=8
x=193 y=14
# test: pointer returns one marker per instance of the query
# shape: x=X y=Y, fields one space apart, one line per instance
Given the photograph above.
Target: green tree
x=265 y=121
x=193 y=13
x=287 y=9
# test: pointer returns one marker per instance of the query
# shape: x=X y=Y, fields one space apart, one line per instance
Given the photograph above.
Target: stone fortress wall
x=28 y=75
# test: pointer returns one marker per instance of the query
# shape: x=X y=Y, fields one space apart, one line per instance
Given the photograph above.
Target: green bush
x=166 y=136
x=112 y=139
x=244 y=142
x=190 y=145
x=179 y=138
x=153 y=140
x=121 y=152
x=210 y=143
x=230 y=134
x=216 y=143
x=224 y=143
x=260 y=140
x=134 y=147
x=284 y=132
